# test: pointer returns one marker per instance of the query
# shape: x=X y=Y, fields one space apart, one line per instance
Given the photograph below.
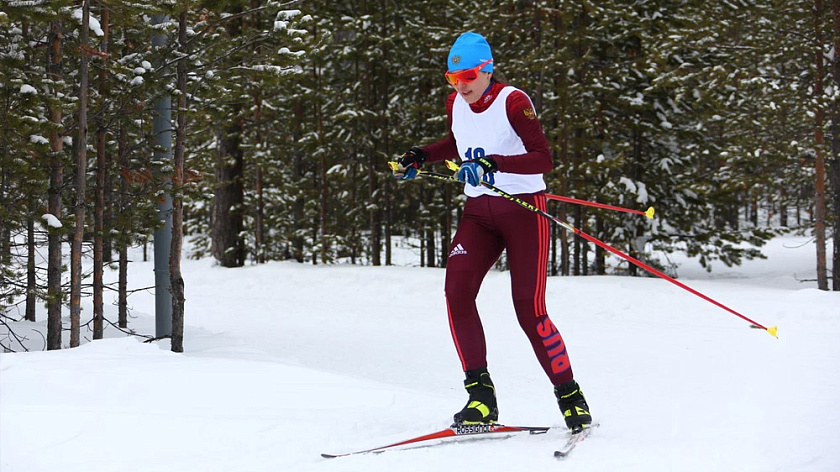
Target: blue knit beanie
x=469 y=50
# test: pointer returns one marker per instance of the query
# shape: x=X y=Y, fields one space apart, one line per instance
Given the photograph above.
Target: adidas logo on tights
x=458 y=250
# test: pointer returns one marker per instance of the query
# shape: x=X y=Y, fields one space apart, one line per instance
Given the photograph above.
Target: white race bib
x=489 y=132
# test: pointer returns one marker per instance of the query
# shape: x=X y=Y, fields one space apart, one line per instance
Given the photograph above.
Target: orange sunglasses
x=466 y=76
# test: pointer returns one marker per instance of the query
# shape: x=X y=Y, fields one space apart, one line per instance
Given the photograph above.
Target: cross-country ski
x=573 y=440
x=455 y=431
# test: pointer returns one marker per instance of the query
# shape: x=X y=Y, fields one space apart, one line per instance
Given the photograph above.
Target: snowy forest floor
x=284 y=361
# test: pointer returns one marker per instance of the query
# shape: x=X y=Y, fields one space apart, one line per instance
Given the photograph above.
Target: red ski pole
x=773 y=331
x=648 y=213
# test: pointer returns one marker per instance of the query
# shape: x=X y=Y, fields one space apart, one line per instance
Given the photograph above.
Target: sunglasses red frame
x=466 y=76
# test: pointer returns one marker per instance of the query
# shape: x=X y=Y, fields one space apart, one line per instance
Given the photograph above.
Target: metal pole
x=162 y=130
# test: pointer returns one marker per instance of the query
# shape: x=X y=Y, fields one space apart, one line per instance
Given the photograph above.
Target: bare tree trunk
x=835 y=260
x=81 y=185
x=389 y=220
x=600 y=253
x=324 y=200
x=175 y=276
x=298 y=212
x=783 y=209
x=375 y=212
x=54 y=294
x=584 y=250
x=322 y=174
x=429 y=246
x=5 y=236
x=635 y=172
x=819 y=162
x=227 y=245
x=122 y=202
x=99 y=211
x=31 y=280
x=354 y=201
x=428 y=228
x=259 y=220
x=375 y=209
x=835 y=148
x=385 y=126
x=259 y=223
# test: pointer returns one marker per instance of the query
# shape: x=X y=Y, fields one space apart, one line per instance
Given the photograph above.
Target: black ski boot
x=481 y=407
x=573 y=405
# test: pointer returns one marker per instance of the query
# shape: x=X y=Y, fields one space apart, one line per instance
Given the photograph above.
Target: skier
x=494 y=129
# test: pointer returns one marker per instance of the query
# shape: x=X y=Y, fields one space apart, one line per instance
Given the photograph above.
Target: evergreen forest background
x=276 y=120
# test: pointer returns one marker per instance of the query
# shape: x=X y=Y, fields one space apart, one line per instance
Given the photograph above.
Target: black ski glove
x=409 y=163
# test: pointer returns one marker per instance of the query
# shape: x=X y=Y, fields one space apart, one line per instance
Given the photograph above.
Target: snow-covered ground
x=284 y=361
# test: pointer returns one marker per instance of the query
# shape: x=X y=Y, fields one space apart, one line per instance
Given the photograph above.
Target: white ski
x=573 y=441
